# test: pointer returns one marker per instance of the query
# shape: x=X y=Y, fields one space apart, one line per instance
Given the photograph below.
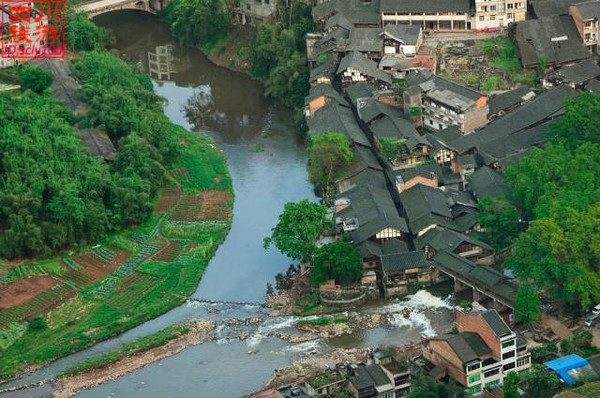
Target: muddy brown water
x=267 y=163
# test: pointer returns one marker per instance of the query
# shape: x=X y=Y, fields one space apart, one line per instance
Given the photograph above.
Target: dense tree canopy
x=559 y=189
x=339 y=261
x=298 y=228
x=500 y=220
x=527 y=305
x=198 y=22
x=34 y=79
x=84 y=35
x=327 y=154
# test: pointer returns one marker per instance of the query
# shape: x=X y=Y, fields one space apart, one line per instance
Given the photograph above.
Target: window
x=492 y=383
x=474 y=390
x=492 y=8
x=491 y=373
x=509 y=6
x=509 y=15
x=492 y=17
x=481 y=18
x=472 y=367
x=474 y=378
x=508 y=366
x=522 y=362
x=507 y=355
x=509 y=343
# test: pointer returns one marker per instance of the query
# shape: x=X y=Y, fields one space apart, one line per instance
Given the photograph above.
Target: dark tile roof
x=407 y=34
x=326 y=90
x=483 y=277
x=397 y=127
x=360 y=62
x=508 y=99
x=355 y=11
x=359 y=90
x=497 y=324
x=374 y=109
x=445 y=239
x=450 y=93
x=593 y=86
x=589 y=9
x=487 y=182
x=365 y=40
x=421 y=6
x=336 y=37
x=582 y=71
x=468 y=346
x=389 y=246
x=371 y=205
x=339 y=20
x=543 y=8
x=404 y=261
x=427 y=171
x=326 y=70
x=554 y=37
x=335 y=118
x=378 y=375
x=545 y=106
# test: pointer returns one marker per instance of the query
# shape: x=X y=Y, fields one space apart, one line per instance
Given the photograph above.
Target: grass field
x=127 y=278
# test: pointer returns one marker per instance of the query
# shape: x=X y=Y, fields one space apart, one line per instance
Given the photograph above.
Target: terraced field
x=124 y=280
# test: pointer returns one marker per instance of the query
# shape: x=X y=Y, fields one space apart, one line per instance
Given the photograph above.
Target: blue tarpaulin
x=564 y=367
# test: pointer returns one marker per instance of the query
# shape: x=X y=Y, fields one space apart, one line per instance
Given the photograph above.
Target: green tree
x=540 y=383
x=392 y=147
x=510 y=385
x=581 y=122
x=426 y=387
x=527 y=306
x=298 y=228
x=34 y=79
x=84 y=35
x=199 y=22
x=327 y=154
x=501 y=221
x=340 y=261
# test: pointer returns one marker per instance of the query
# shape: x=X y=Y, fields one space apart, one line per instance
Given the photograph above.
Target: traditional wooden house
x=443 y=239
x=356 y=67
x=402 y=40
x=401 y=270
x=319 y=96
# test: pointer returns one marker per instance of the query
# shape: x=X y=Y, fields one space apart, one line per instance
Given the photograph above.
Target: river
x=268 y=166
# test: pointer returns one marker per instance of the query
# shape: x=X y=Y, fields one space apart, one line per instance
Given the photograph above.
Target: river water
x=268 y=166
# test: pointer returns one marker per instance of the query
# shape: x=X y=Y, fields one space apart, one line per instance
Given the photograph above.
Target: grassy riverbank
x=126 y=350
x=57 y=306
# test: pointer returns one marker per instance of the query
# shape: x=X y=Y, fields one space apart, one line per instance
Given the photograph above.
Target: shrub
x=35 y=79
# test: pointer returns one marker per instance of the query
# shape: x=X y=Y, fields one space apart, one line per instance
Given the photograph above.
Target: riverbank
x=127 y=278
x=195 y=332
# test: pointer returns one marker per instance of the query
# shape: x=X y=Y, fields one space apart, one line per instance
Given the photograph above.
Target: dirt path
x=556 y=325
x=201 y=331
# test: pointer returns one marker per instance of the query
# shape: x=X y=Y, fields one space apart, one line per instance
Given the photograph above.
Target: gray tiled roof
x=397 y=127
x=335 y=118
x=468 y=346
x=355 y=11
x=365 y=40
x=338 y=20
x=327 y=91
x=555 y=38
x=359 y=90
x=360 y=62
x=543 y=8
x=500 y=102
x=589 y=9
x=487 y=182
x=483 y=277
x=374 y=109
x=421 y=6
x=407 y=34
x=497 y=324
x=450 y=93
x=445 y=239
x=404 y=261
x=582 y=71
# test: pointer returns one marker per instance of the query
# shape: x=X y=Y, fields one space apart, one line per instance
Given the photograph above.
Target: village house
x=442 y=145
x=481 y=354
x=401 y=270
x=361 y=14
x=428 y=207
x=397 y=370
x=323 y=74
x=443 y=239
x=402 y=40
x=502 y=103
x=432 y=175
x=336 y=118
x=366 y=41
x=497 y=14
x=464 y=165
x=356 y=67
x=359 y=93
x=445 y=103
x=430 y=14
x=253 y=11
x=550 y=41
x=370 y=381
x=319 y=96
x=487 y=182
x=575 y=76
x=586 y=16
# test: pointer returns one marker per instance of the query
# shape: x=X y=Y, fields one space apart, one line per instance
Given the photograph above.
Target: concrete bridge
x=97 y=7
x=485 y=283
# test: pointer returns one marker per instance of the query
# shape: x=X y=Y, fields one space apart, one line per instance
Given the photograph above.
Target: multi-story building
x=431 y=14
x=481 y=354
x=497 y=14
x=587 y=19
x=444 y=103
